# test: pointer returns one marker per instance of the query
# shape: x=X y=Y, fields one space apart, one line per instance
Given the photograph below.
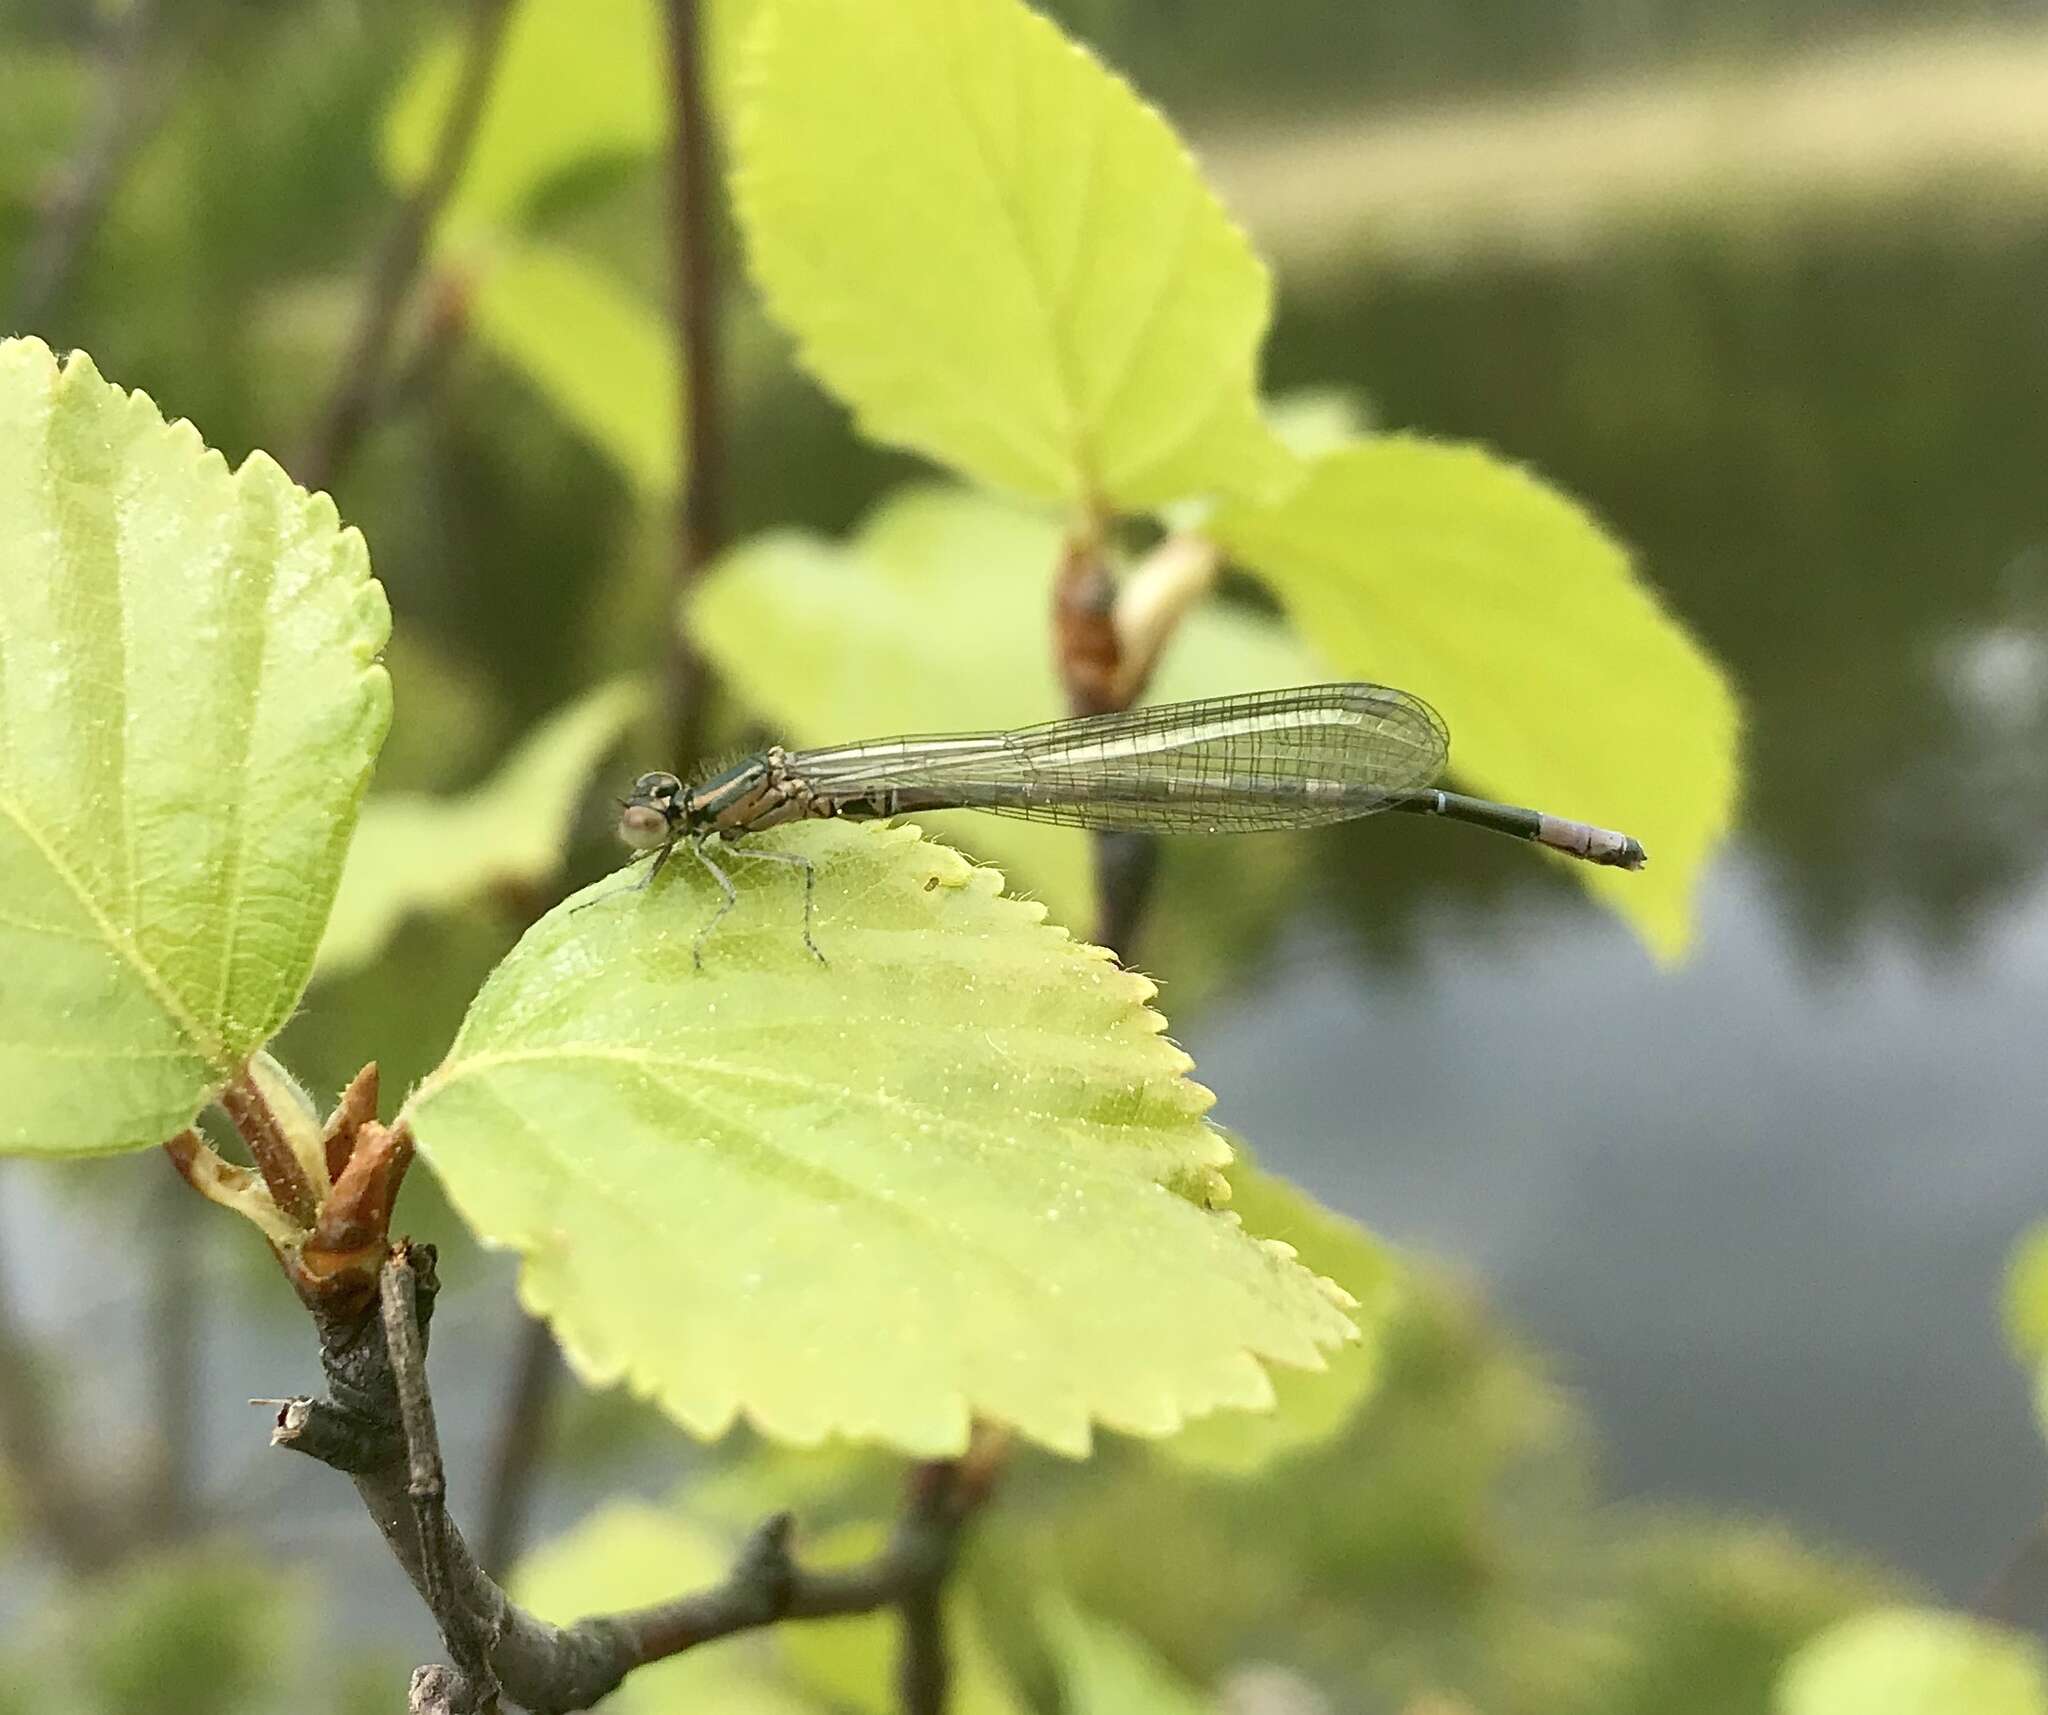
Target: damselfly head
x=649 y=817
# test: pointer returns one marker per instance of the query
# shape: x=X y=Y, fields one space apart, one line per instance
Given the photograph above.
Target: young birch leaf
x=999 y=256
x=890 y=634
x=955 y=1173
x=414 y=852
x=191 y=706
x=1908 y=1661
x=596 y=352
x=1567 y=687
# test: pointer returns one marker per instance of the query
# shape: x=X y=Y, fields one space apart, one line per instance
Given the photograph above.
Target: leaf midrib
x=204 y=1043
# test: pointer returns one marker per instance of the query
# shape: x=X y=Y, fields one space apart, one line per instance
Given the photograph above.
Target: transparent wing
x=1274 y=759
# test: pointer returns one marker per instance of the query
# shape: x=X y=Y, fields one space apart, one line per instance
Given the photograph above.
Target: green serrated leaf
x=1911 y=1661
x=192 y=705
x=575 y=81
x=628 y=1556
x=932 y=619
x=1309 y=1408
x=954 y=1174
x=416 y=853
x=1009 y=264
x=1448 y=572
x=1106 y=1670
x=599 y=355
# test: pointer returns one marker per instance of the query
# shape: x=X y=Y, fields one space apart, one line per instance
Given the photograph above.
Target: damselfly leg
x=810 y=877
x=724 y=905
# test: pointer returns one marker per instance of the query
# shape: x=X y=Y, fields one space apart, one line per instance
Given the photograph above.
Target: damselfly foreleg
x=724 y=905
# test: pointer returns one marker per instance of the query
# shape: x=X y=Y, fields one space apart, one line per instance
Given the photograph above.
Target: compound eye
x=643 y=827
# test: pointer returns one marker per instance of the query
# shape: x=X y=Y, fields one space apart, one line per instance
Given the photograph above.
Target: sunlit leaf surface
x=935 y=617
x=1910 y=1661
x=1009 y=264
x=415 y=852
x=1447 y=572
x=191 y=706
x=955 y=1173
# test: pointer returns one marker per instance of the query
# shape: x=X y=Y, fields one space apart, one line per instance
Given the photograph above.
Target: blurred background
x=1714 y=1350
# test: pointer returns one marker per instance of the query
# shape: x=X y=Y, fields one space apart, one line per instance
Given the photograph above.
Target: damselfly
x=1274 y=759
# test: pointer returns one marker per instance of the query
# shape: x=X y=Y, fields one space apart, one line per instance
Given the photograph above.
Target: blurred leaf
x=204 y=1632
x=193 y=705
x=1447 y=572
x=599 y=355
x=453 y=721
x=1106 y=1670
x=936 y=618
x=1699 y=1615
x=1311 y=1407
x=576 y=80
x=1010 y=264
x=2026 y=1296
x=630 y=1555
x=1421 y=1547
x=849 y=1664
x=1916 y=1661
x=1312 y=421
x=414 y=853
x=896 y=1192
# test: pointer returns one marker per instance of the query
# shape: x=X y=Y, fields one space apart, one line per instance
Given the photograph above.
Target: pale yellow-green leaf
x=2026 y=1296
x=954 y=1174
x=575 y=81
x=415 y=853
x=999 y=256
x=1912 y=1661
x=936 y=617
x=1310 y=1407
x=1566 y=684
x=603 y=358
x=849 y=1665
x=632 y=1555
x=1106 y=1670
x=189 y=708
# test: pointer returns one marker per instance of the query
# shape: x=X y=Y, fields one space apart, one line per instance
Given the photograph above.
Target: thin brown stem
x=1089 y=650
x=522 y=1439
x=137 y=87
x=359 y=380
x=686 y=685
x=249 y=1110
x=378 y=1427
